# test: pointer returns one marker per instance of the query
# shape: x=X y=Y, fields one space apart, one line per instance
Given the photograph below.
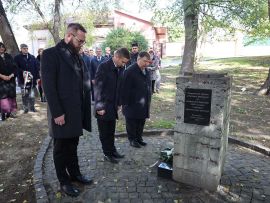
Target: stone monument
x=202 y=127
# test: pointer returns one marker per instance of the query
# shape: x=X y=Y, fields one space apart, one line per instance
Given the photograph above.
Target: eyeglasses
x=82 y=42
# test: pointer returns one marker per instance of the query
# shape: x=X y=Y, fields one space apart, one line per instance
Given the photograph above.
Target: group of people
x=70 y=79
x=92 y=62
x=26 y=68
x=120 y=82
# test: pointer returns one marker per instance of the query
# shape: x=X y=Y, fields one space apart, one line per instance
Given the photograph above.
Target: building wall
x=145 y=28
x=39 y=39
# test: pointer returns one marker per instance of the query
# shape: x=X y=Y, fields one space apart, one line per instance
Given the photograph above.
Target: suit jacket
x=136 y=93
x=107 y=90
x=94 y=66
x=67 y=91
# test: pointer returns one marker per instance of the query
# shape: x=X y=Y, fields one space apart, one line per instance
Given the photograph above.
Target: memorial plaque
x=197 y=106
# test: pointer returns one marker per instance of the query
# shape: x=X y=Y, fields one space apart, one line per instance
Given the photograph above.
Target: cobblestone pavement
x=246 y=176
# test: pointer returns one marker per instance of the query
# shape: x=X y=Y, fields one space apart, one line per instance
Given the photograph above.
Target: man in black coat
x=98 y=59
x=107 y=95
x=136 y=98
x=67 y=87
x=27 y=63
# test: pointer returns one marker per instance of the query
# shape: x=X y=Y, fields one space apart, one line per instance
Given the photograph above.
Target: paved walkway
x=246 y=176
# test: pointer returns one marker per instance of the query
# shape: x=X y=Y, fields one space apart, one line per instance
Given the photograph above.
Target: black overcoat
x=136 y=93
x=67 y=92
x=107 y=89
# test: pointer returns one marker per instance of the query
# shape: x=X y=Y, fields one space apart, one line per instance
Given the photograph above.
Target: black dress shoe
x=3 y=116
x=141 y=142
x=82 y=179
x=110 y=159
x=70 y=190
x=117 y=155
x=135 y=144
x=33 y=110
x=25 y=111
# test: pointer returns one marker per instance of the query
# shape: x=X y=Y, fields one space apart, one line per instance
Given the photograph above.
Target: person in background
x=107 y=101
x=136 y=98
x=153 y=67
x=28 y=75
x=86 y=51
x=107 y=53
x=86 y=60
x=91 y=53
x=8 y=104
x=39 y=83
x=158 y=80
x=66 y=84
x=98 y=59
x=133 y=54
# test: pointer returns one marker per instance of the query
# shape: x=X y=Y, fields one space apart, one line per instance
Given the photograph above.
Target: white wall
x=174 y=49
x=220 y=49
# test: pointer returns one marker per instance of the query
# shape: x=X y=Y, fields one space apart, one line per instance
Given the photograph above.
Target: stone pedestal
x=202 y=127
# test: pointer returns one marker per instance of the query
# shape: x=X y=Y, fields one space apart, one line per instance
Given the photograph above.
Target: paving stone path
x=246 y=176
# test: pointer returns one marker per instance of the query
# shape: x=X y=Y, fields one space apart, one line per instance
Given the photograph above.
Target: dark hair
x=2 y=45
x=123 y=52
x=134 y=44
x=74 y=27
x=144 y=54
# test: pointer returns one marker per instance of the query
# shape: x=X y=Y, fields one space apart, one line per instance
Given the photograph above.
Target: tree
x=265 y=88
x=121 y=37
x=207 y=15
x=6 y=33
x=49 y=12
x=191 y=17
x=54 y=29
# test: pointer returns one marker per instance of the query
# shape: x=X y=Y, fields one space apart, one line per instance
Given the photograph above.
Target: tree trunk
x=265 y=88
x=269 y=9
x=191 y=12
x=6 y=33
x=56 y=21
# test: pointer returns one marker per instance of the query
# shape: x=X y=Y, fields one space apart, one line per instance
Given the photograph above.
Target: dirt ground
x=20 y=140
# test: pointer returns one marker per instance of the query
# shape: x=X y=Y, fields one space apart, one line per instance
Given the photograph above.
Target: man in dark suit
x=107 y=95
x=136 y=98
x=98 y=59
x=66 y=85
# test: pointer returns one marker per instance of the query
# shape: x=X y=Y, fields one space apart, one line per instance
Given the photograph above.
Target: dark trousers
x=153 y=85
x=134 y=128
x=92 y=92
x=66 y=159
x=28 y=98
x=106 y=135
x=40 y=90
